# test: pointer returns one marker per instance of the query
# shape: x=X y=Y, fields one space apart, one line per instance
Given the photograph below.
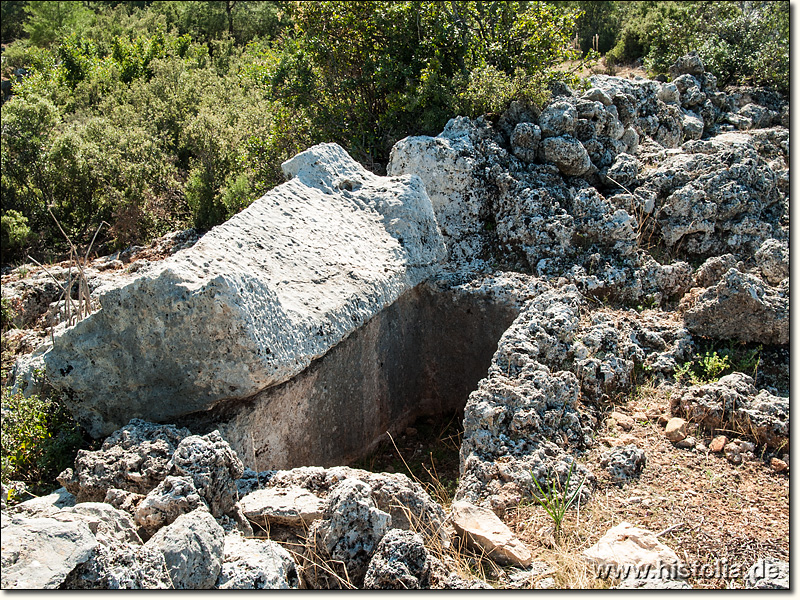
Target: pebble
x=778 y=465
x=718 y=443
x=676 y=429
x=624 y=421
x=733 y=453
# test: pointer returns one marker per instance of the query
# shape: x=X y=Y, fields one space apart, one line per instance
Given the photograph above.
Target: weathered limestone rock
x=340 y=546
x=39 y=553
x=558 y=119
x=122 y=566
x=624 y=462
x=255 y=300
x=768 y=574
x=525 y=141
x=172 y=498
x=213 y=466
x=401 y=562
x=483 y=530
x=567 y=153
x=734 y=404
x=134 y=458
x=740 y=307
x=109 y=525
x=293 y=506
x=251 y=564
x=408 y=504
x=629 y=551
x=44 y=506
x=773 y=260
x=193 y=550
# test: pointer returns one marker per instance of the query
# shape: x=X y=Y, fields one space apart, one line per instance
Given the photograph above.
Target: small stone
x=733 y=453
x=718 y=444
x=485 y=531
x=689 y=442
x=624 y=421
x=640 y=416
x=701 y=447
x=778 y=465
x=746 y=446
x=676 y=429
x=663 y=420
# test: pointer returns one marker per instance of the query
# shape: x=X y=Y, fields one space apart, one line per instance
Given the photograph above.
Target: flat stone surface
x=484 y=530
x=627 y=545
x=254 y=301
x=39 y=553
x=292 y=506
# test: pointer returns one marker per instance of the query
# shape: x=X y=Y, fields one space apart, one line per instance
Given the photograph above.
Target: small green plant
x=556 y=499
x=39 y=440
x=708 y=368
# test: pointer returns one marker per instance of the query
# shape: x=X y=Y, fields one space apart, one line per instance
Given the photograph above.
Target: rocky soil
x=637 y=230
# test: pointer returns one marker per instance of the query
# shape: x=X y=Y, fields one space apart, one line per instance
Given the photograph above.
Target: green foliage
x=50 y=20
x=555 y=498
x=12 y=16
x=39 y=440
x=711 y=364
x=15 y=230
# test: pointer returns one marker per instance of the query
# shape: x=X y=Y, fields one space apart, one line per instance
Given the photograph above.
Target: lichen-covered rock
x=409 y=505
x=525 y=141
x=253 y=564
x=714 y=269
x=193 y=550
x=624 y=462
x=214 y=468
x=173 y=497
x=714 y=198
x=773 y=261
x=567 y=153
x=687 y=64
x=109 y=525
x=401 y=562
x=558 y=119
x=44 y=506
x=134 y=458
x=740 y=307
x=339 y=547
x=255 y=300
x=40 y=553
x=123 y=500
x=734 y=404
x=292 y=506
x=122 y=566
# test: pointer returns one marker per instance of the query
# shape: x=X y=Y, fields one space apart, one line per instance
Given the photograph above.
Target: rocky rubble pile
x=628 y=227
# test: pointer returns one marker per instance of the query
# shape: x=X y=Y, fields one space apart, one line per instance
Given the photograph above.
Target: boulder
x=773 y=261
x=134 y=458
x=487 y=534
x=525 y=141
x=40 y=553
x=172 y=498
x=740 y=307
x=255 y=300
x=734 y=404
x=558 y=119
x=567 y=153
x=688 y=63
x=255 y=564
x=193 y=550
x=44 y=506
x=109 y=525
x=339 y=546
x=213 y=467
x=122 y=566
x=401 y=562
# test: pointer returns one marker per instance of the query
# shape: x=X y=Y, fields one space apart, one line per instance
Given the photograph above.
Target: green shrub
x=15 y=230
x=39 y=440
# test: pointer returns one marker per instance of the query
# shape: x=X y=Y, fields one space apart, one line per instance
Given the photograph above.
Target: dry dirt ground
x=718 y=517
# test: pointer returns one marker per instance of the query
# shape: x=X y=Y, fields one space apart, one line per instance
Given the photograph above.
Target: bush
x=39 y=440
x=15 y=230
